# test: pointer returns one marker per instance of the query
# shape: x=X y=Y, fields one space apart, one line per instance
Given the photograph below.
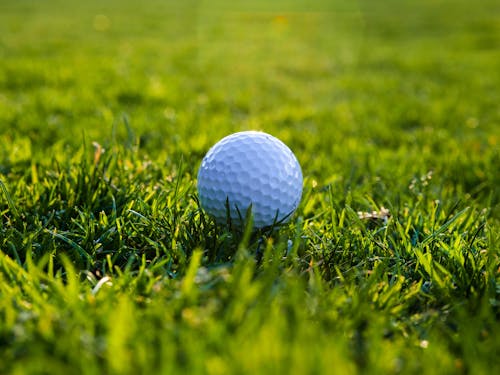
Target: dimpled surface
x=250 y=168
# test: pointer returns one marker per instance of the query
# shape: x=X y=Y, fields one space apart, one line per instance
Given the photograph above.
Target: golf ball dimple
x=250 y=169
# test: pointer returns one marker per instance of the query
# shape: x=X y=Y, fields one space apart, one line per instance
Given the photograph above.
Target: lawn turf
x=107 y=263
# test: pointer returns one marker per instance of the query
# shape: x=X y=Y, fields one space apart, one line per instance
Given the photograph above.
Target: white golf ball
x=250 y=169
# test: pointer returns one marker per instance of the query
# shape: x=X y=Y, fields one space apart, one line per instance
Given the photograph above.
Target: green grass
x=107 y=263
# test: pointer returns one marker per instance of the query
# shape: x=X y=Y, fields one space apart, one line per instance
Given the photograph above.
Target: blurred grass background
x=349 y=77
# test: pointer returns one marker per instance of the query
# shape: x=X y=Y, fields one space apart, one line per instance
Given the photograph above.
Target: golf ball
x=246 y=169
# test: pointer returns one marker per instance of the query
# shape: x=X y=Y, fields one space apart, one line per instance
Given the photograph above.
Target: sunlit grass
x=107 y=263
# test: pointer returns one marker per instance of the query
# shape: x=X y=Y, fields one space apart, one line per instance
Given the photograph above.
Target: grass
x=107 y=263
